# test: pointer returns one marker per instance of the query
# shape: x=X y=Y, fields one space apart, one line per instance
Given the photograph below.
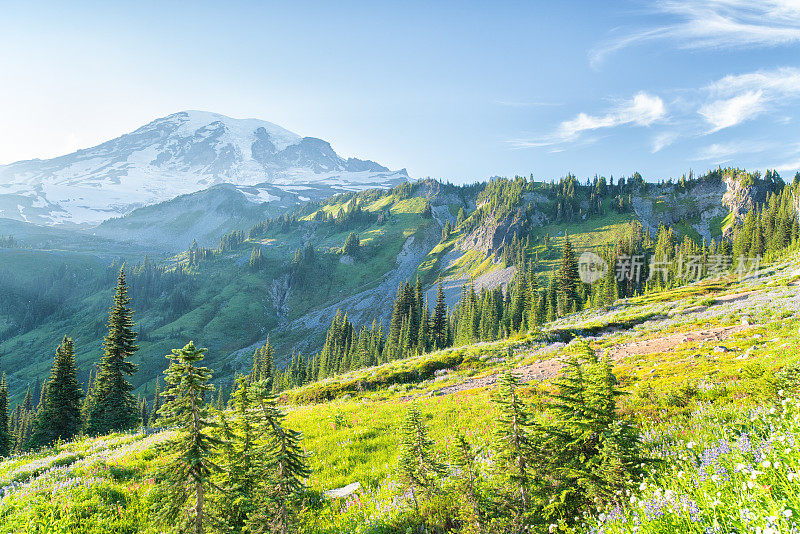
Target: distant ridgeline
x=272 y=288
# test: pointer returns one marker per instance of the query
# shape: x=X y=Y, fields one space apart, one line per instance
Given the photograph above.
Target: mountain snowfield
x=182 y=153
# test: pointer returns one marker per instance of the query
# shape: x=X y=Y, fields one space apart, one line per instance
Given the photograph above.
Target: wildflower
x=787 y=513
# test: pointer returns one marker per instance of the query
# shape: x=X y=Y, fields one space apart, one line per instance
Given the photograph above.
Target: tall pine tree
x=283 y=468
x=440 y=318
x=60 y=414
x=5 y=430
x=568 y=279
x=114 y=407
x=417 y=465
x=188 y=475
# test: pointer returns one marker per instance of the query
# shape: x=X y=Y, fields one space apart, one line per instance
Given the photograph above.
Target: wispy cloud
x=663 y=140
x=642 y=110
x=724 y=152
x=788 y=166
x=723 y=24
x=738 y=98
x=730 y=112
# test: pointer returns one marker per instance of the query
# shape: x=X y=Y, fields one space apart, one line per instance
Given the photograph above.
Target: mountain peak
x=180 y=153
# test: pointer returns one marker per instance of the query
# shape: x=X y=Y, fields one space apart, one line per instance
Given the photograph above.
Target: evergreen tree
x=283 y=468
x=592 y=454
x=145 y=413
x=60 y=415
x=568 y=278
x=440 y=318
x=351 y=244
x=156 y=405
x=88 y=399
x=416 y=463
x=446 y=231
x=188 y=474
x=27 y=403
x=472 y=512
x=5 y=430
x=114 y=407
x=514 y=448
x=239 y=478
x=427 y=210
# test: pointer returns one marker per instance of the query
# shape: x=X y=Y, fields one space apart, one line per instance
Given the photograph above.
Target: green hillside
x=255 y=284
x=709 y=373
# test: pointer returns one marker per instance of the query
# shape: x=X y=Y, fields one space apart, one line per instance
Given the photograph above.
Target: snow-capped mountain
x=178 y=154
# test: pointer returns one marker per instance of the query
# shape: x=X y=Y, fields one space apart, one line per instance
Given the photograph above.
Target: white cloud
x=723 y=24
x=723 y=152
x=738 y=98
x=663 y=140
x=784 y=80
x=788 y=166
x=641 y=110
x=730 y=112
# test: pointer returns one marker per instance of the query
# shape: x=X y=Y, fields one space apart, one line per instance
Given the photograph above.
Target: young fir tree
x=417 y=465
x=283 y=468
x=594 y=454
x=239 y=477
x=471 y=513
x=144 y=413
x=88 y=399
x=153 y=419
x=114 y=407
x=60 y=415
x=514 y=448
x=427 y=210
x=351 y=245
x=188 y=474
x=5 y=430
x=440 y=318
x=27 y=402
x=568 y=279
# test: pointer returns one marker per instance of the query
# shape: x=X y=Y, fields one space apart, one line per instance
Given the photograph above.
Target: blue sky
x=454 y=90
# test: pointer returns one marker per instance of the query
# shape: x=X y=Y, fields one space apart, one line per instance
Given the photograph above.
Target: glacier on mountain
x=182 y=153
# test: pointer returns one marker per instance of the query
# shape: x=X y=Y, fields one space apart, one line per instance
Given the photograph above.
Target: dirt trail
x=539 y=371
x=549 y=368
x=669 y=341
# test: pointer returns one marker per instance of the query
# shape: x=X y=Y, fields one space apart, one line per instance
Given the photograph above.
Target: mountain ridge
x=181 y=153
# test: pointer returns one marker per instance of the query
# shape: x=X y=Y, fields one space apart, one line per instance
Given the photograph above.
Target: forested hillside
x=551 y=404
x=287 y=277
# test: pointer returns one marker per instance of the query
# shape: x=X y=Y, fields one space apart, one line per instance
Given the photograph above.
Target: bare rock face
x=492 y=235
x=702 y=203
x=736 y=193
x=741 y=198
